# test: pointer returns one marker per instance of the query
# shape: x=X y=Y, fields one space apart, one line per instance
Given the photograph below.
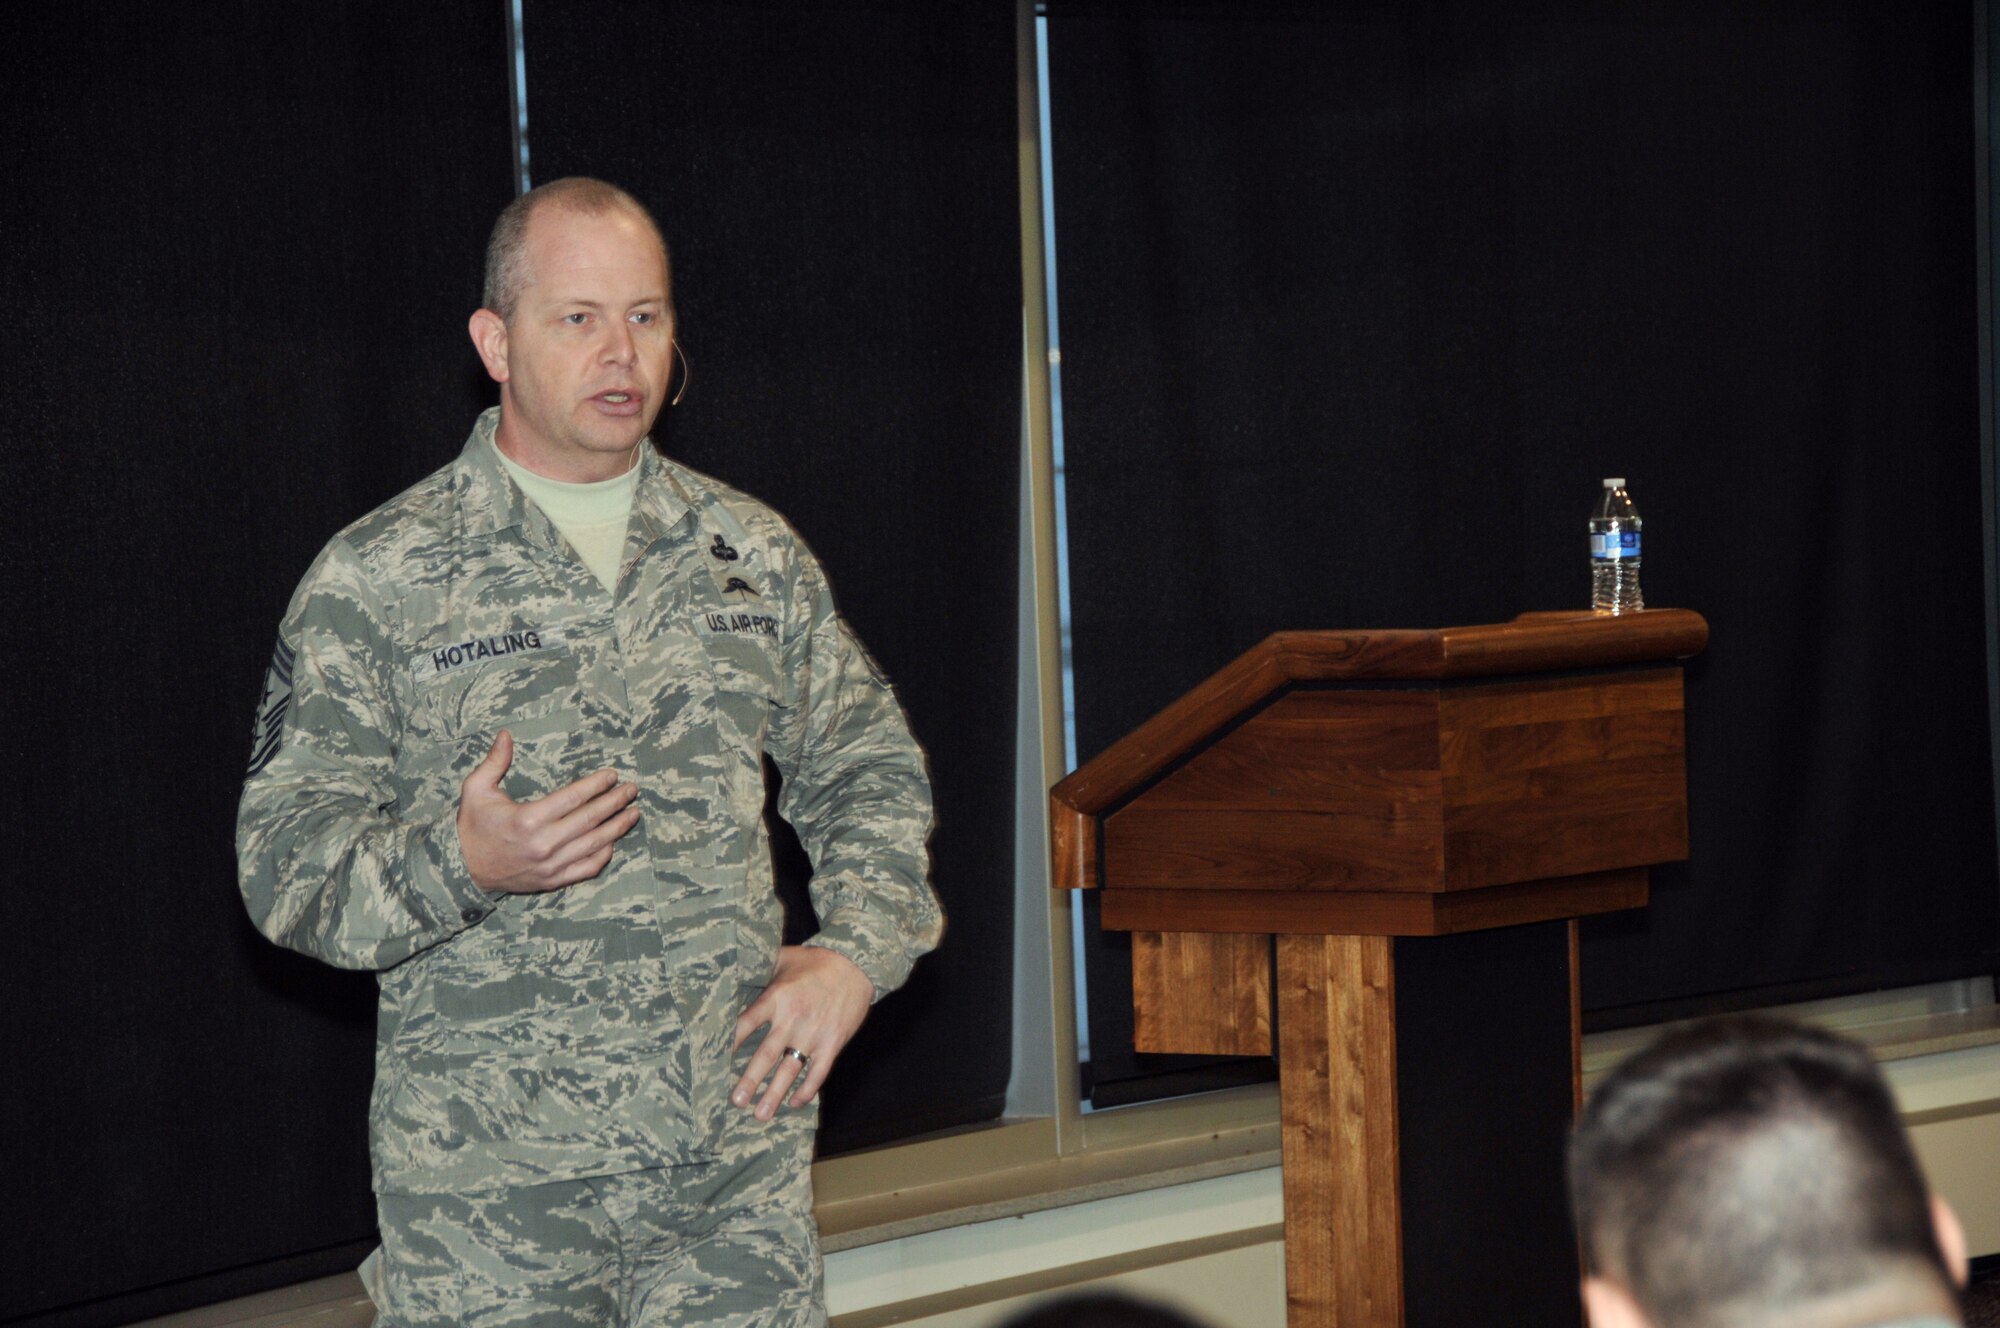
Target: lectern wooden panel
x=1201 y=994
x=1417 y=818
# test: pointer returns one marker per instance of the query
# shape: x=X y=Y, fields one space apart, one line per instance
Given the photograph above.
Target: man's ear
x=1609 y=1305
x=489 y=338
x=1951 y=1240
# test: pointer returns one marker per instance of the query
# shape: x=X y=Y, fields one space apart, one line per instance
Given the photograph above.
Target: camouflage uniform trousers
x=729 y=1243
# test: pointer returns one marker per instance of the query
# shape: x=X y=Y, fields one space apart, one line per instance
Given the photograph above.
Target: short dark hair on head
x=1745 y=1166
x=506 y=249
x=1100 y=1309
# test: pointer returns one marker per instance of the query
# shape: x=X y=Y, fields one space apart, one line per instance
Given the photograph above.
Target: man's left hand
x=815 y=1002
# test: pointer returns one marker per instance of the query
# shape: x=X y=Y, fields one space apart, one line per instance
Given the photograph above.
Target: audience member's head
x=1747 y=1171
x=1100 y=1309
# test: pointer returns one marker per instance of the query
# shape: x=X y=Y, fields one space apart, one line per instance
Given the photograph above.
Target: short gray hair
x=506 y=250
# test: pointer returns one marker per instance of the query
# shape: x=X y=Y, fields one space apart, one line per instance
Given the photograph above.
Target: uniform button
x=471 y=915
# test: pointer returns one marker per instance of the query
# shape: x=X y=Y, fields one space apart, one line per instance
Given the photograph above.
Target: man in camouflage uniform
x=529 y=796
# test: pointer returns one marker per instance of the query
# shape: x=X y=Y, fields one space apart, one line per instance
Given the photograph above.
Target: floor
x=337 y=1302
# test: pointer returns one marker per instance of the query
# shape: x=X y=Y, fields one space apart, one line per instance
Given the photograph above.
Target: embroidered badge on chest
x=734 y=583
x=741 y=613
x=430 y=666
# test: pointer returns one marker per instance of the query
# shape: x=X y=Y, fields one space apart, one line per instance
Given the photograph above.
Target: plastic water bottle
x=1614 y=552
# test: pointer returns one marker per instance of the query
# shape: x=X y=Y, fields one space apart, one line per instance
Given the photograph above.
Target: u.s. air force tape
x=432 y=665
x=731 y=623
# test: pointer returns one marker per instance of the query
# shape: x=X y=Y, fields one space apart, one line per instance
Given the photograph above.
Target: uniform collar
x=492 y=502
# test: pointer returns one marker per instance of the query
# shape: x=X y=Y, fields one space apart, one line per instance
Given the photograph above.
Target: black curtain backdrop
x=1360 y=304
x=839 y=183
x=241 y=241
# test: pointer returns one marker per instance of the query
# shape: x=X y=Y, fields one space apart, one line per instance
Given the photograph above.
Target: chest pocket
x=535 y=695
x=741 y=647
x=500 y=693
x=743 y=659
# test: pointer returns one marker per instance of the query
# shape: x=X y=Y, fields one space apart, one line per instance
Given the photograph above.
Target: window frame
x=1046 y=1151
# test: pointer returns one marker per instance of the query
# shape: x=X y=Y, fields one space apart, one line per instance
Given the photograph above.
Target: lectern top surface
x=1532 y=643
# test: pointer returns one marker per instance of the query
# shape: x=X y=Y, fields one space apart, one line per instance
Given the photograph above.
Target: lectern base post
x=1426 y=1087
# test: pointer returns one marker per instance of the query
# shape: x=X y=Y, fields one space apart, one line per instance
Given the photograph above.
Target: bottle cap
x=1614 y=484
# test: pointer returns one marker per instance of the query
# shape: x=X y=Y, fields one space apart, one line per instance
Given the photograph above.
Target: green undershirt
x=592 y=517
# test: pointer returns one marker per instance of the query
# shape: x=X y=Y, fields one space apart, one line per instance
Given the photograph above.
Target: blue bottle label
x=1614 y=546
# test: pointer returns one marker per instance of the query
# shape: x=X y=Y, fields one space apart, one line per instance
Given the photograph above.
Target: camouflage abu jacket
x=524 y=1038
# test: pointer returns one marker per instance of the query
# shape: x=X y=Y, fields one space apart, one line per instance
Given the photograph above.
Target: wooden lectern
x=1418 y=818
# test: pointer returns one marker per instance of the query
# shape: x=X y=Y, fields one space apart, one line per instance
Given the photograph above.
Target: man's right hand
x=544 y=843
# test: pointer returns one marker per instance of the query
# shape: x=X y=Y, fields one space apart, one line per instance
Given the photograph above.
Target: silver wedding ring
x=799 y=1056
